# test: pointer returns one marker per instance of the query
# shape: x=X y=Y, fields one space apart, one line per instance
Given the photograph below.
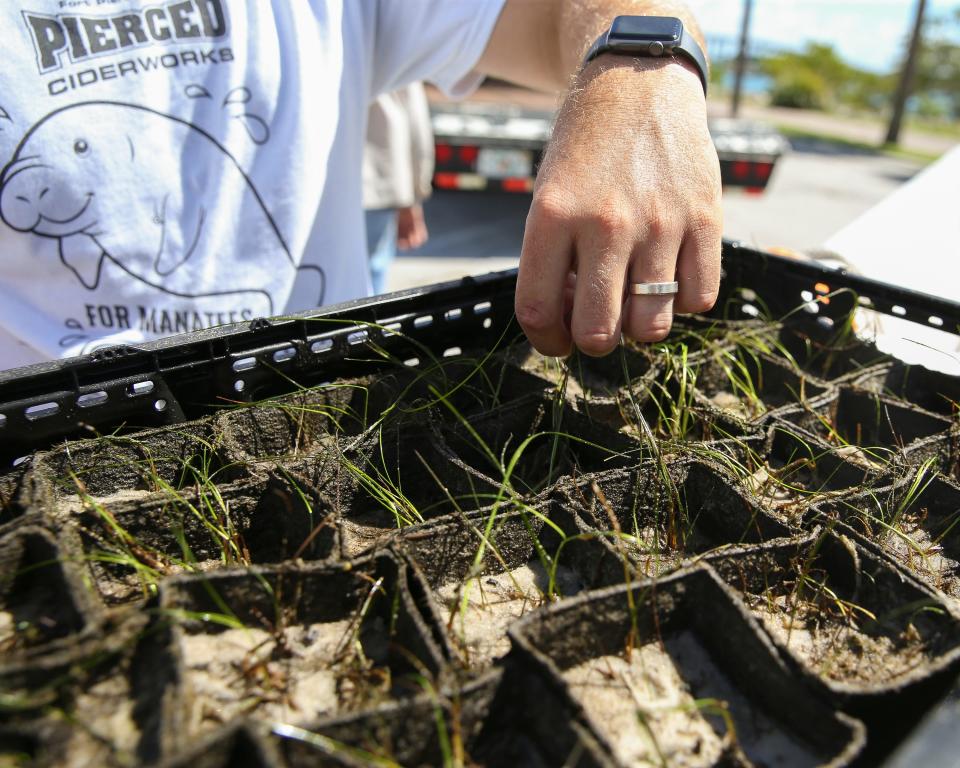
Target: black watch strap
x=650 y=37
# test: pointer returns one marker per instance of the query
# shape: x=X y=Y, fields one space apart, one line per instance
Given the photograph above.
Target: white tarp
x=912 y=239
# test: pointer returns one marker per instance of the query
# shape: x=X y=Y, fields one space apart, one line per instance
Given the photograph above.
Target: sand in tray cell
x=73 y=504
x=917 y=549
x=122 y=584
x=362 y=533
x=650 y=551
x=788 y=489
x=661 y=707
x=9 y=630
x=835 y=647
x=105 y=731
x=18 y=632
x=240 y=671
x=493 y=602
x=742 y=407
x=35 y=610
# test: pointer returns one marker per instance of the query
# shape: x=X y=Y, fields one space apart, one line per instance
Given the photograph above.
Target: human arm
x=629 y=189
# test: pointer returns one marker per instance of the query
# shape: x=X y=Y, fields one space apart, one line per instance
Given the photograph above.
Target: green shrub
x=800 y=89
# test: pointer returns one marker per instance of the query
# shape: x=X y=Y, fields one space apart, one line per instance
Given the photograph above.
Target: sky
x=870 y=34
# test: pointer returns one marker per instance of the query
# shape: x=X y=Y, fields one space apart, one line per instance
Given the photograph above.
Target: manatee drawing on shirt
x=151 y=193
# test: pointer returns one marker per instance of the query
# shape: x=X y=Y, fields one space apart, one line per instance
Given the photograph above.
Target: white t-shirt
x=176 y=164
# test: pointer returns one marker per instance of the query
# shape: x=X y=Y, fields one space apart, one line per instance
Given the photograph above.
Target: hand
x=411 y=228
x=629 y=191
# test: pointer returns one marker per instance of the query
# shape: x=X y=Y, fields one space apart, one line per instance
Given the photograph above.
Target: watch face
x=646 y=29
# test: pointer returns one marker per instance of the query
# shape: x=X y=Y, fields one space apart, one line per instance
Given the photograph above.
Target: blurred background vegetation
x=816 y=77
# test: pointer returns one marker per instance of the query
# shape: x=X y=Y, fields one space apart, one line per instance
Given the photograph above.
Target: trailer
x=494 y=147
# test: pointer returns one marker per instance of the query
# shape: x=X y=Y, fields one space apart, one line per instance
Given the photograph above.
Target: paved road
x=816 y=190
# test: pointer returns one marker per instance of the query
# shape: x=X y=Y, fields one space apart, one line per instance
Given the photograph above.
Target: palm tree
x=741 y=66
x=906 y=76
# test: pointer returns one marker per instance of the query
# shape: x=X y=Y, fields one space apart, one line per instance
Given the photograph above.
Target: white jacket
x=398 y=154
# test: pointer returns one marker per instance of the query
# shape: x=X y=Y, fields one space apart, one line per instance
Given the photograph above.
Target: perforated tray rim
x=145 y=384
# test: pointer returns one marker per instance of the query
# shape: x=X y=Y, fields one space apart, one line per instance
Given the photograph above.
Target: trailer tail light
x=741 y=169
x=522 y=185
x=750 y=175
x=445 y=180
x=474 y=182
x=463 y=181
x=468 y=155
x=473 y=167
x=762 y=171
x=451 y=157
x=443 y=154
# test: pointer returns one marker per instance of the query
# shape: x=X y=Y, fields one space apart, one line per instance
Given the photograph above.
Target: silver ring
x=654 y=289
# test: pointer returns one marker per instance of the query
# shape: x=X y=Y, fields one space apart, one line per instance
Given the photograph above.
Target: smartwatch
x=650 y=36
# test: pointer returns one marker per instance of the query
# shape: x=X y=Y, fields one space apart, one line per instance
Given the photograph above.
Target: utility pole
x=906 y=76
x=742 y=57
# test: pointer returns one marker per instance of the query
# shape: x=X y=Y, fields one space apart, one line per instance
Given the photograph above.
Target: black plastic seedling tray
x=188 y=376
x=464 y=522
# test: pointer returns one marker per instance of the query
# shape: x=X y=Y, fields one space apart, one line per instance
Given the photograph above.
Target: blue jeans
x=381 y=244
